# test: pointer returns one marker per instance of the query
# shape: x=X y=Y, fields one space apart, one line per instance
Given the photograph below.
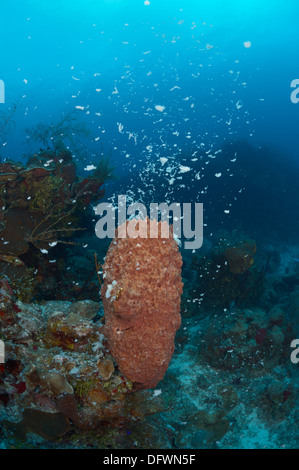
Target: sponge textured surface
x=141 y=296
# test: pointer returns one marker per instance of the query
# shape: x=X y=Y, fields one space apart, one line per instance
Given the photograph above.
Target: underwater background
x=161 y=101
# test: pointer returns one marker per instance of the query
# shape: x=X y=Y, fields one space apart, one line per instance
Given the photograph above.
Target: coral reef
x=226 y=274
x=230 y=383
x=43 y=206
x=248 y=339
x=141 y=297
x=223 y=407
x=57 y=375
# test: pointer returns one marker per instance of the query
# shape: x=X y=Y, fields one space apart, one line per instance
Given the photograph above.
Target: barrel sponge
x=141 y=296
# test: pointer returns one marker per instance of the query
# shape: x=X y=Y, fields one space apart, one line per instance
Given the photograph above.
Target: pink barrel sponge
x=141 y=295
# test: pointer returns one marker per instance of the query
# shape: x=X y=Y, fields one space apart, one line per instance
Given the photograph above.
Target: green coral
x=24 y=287
x=44 y=192
x=84 y=386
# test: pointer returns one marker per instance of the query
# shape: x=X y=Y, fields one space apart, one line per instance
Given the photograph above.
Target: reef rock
x=248 y=340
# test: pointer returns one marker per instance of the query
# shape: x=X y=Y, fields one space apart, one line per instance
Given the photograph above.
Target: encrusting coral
x=57 y=374
x=141 y=296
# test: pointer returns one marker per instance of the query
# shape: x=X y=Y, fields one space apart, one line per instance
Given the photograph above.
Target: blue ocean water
x=191 y=102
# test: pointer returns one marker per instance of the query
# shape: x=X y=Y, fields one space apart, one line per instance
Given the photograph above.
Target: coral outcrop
x=57 y=377
x=240 y=258
x=227 y=274
x=141 y=296
x=248 y=339
x=42 y=205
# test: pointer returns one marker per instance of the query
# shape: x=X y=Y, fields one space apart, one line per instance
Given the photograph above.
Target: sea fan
x=7 y=123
